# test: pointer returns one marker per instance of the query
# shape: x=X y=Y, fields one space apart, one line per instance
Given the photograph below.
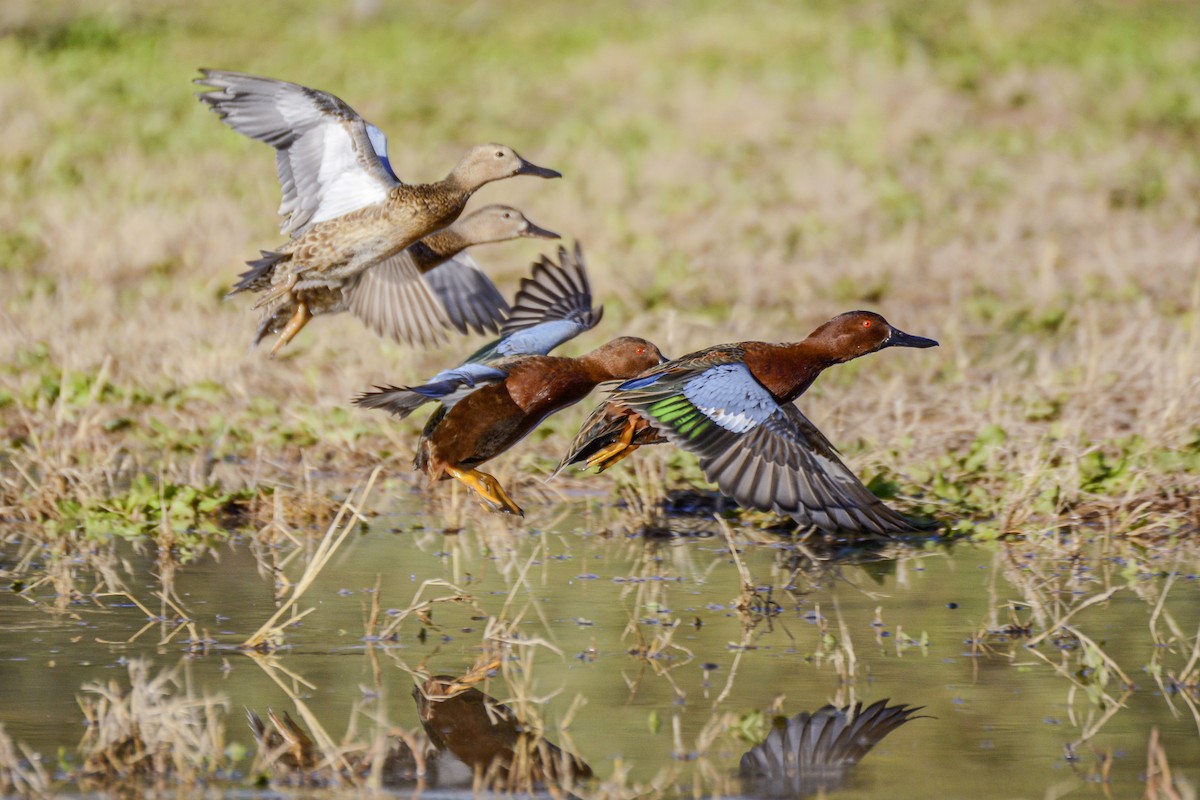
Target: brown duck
x=510 y=397
x=419 y=292
x=732 y=405
x=488 y=736
x=343 y=206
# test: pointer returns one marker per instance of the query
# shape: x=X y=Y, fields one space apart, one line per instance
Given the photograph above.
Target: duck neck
x=437 y=248
x=596 y=367
x=787 y=370
x=454 y=188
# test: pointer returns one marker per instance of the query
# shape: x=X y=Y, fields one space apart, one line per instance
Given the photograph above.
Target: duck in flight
x=343 y=207
x=732 y=405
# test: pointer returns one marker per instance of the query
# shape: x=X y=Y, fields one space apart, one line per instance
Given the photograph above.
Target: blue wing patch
x=729 y=395
x=539 y=339
x=379 y=145
x=640 y=383
x=449 y=381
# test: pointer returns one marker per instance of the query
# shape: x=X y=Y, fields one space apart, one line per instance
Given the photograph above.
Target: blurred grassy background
x=1017 y=179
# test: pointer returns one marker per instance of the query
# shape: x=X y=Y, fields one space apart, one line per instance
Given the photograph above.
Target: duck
x=343 y=207
x=505 y=400
x=732 y=405
x=416 y=295
x=552 y=306
x=488 y=736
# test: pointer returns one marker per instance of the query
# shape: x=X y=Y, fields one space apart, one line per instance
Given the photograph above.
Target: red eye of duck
x=866 y=323
x=641 y=351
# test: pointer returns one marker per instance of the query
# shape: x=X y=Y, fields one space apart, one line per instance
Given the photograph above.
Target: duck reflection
x=488 y=737
x=811 y=753
x=477 y=742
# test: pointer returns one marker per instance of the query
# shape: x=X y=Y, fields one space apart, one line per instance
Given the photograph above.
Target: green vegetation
x=1012 y=179
x=1015 y=179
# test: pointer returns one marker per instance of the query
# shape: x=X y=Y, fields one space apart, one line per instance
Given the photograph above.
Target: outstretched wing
x=812 y=751
x=330 y=160
x=392 y=299
x=553 y=305
x=448 y=386
x=763 y=455
x=468 y=295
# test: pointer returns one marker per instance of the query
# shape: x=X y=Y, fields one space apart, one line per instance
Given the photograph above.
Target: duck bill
x=899 y=338
x=529 y=168
x=536 y=232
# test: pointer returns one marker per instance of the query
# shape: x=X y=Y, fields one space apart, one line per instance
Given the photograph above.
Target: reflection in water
x=811 y=753
x=288 y=756
x=488 y=737
x=1058 y=653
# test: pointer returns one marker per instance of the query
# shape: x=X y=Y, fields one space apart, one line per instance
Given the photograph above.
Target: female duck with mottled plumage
x=732 y=406
x=344 y=207
x=417 y=294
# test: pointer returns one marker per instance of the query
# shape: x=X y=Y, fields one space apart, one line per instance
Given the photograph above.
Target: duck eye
x=866 y=323
x=499 y=154
x=641 y=351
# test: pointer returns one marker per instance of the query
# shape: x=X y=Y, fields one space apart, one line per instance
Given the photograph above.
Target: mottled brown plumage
x=344 y=208
x=416 y=294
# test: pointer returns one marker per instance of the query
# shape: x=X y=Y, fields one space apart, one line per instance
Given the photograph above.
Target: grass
x=1017 y=180
x=952 y=167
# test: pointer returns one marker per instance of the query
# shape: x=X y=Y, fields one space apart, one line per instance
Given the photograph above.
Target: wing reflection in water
x=812 y=753
x=488 y=737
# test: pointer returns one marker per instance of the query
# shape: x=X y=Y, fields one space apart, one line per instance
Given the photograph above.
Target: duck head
x=498 y=223
x=623 y=358
x=492 y=162
x=857 y=333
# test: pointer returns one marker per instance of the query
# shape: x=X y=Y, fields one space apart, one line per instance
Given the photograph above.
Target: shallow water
x=1005 y=722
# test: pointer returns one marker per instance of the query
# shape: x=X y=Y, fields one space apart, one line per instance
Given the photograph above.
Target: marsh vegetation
x=1017 y=180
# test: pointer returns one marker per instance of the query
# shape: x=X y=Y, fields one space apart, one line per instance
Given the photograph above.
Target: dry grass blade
x=1159 y=782
x=149 y=731
x=344 y=522
x=21 y=770
x=332 y=754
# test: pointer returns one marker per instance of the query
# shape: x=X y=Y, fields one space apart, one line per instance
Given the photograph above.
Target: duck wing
x=812 y=752
x=551 y=306
x=392 y=299
x=448 y=387
x=608 y=420
x=468 y=295
x=330 y=160
x=763 y=455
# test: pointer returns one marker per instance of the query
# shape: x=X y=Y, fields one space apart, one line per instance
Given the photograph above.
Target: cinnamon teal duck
x=507 y=399
x=415 y=295
x=551 y=306
x=343 y=206
x=732 y=406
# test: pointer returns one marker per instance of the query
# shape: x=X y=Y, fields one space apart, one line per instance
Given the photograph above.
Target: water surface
x=647 y=633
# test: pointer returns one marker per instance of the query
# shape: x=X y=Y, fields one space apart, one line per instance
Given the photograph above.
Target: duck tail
x=421 y=462
x=596 y=433
x=393 y=399
x=258 y=277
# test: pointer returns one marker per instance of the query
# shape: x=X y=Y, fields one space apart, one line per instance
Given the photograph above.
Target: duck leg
x=299 y=319
x=622 y=447
x=277 y=291
x=487 y=487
